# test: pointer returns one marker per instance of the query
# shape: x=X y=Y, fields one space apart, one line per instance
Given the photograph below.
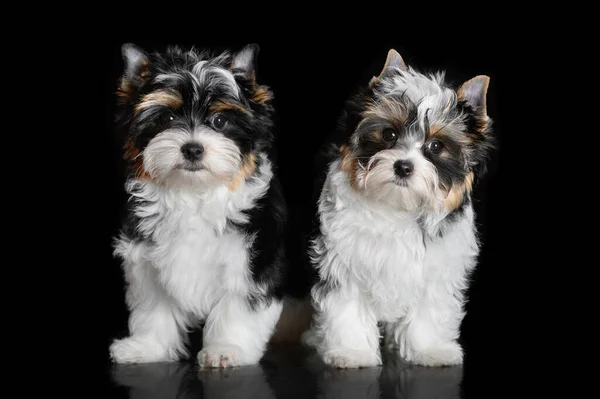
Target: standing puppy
x=397 y=239
x=203 y=236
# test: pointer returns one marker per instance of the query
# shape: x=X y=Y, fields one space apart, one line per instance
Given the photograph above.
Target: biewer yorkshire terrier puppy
x=202 y=240
x=396 y=241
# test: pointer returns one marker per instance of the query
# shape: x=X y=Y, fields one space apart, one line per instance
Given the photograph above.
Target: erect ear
x=393 y=62
x=245 y=60
x=136 y=62
x=474 y=93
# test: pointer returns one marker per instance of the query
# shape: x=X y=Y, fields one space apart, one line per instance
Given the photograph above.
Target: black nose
x=403 y=168
x=192 y=151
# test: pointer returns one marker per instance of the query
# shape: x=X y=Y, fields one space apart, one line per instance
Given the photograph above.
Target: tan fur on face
x=455 y=196
x=132 y=154
x=445 y=131
x=165 y=98
x=349 y=165
x=435 y=130
x=386 y=109
x=220 y=106
x=247 y=169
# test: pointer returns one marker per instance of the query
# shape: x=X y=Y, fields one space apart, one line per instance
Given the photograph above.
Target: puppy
x=202 y=241
x=397 y=239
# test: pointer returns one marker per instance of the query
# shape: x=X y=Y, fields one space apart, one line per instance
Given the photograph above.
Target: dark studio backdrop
x=311 y=78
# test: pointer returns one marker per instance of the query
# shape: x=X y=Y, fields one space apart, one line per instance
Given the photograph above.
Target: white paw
x=349 y=358
x=135 y=350
x=444 y=355
x=221 y=356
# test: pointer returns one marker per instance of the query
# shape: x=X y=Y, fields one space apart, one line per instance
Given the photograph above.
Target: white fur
x=386 y=270
x=196 y=269
x=429 y=92
x=207 y=74
x=163 y=159
x=378 y=180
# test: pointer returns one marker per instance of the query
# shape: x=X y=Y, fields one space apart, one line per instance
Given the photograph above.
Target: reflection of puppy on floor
x=184 y=380
x=157 y=380
x=235 y=383
x=396 y=379
x=402 y=380
x=291 y=371
x=350 y=383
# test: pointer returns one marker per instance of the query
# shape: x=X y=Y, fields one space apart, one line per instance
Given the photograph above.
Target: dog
x=396 y=240
x=202 y=241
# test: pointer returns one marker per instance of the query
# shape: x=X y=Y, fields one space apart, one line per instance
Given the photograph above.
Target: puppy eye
x=219 y=121
x=166 y=118
x=436 y=146
x=389 y=135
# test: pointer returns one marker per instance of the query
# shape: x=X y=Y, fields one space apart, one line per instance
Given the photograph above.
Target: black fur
x=483 y=143
x=268 y=221
x=131 y=221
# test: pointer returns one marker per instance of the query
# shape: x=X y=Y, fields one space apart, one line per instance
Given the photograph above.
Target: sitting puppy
x=397 y=239
x=203 y=236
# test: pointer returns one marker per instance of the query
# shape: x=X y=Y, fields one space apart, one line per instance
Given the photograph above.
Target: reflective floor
x=285 y=372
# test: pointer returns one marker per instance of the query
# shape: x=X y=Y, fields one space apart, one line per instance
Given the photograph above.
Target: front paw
x=136 y=350
x=449 y=354
x=350 y=358
x=221 y=356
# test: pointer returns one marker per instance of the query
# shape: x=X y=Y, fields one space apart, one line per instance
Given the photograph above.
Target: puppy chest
x=386 y=262
x=198 y=264
x=380 y=245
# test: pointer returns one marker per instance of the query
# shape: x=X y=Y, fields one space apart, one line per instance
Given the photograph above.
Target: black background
x=312 y=72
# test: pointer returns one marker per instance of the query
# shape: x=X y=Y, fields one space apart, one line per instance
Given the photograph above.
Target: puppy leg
x=155 y=321
x=345 y=332
x=428 y=336
x=236 y=334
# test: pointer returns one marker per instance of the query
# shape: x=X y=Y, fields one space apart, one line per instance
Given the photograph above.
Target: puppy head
x=415 y=142
x=191 y=118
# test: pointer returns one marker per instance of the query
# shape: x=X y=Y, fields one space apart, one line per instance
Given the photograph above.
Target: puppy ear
x=136 y=63
x=474 y=93
x=245 y=60
x=393 y=62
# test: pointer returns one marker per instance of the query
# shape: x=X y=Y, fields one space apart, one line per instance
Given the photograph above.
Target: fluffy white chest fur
x=385 y=265
x=197 y=259
x=192 y=266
